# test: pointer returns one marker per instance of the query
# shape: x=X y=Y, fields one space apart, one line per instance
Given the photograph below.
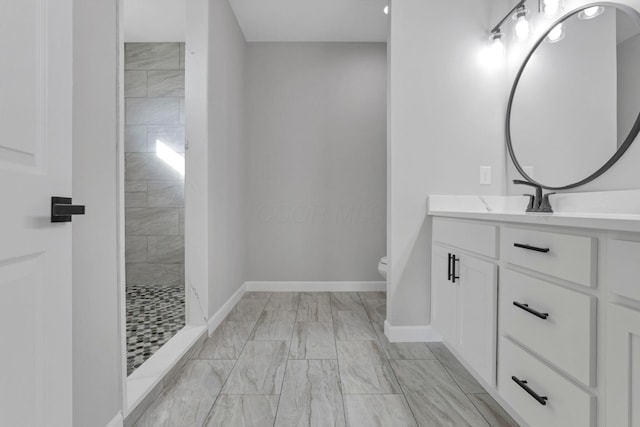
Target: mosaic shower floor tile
x=154 y=315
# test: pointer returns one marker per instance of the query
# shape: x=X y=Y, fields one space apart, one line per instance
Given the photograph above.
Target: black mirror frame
x=633 y=133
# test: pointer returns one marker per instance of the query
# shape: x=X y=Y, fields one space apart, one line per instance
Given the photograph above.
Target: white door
x=623 y=367
x=443 y=295
x=477 y=315
x=35 y=255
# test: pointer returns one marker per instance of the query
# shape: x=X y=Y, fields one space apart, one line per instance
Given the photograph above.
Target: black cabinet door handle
x=62 y=209
x=531 y=248
x=522 y=383
x=449 y=268
x=528 y=309
x=453 y=268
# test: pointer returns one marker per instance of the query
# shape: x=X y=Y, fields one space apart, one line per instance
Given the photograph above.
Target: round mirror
x=574 y=107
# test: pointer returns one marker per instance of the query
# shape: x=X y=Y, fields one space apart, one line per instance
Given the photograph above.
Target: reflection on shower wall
x=154 y=196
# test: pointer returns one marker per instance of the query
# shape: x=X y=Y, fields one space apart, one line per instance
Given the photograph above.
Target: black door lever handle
x=62 y=209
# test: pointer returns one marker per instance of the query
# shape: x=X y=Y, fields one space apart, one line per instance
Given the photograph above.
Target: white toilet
x=382 y=267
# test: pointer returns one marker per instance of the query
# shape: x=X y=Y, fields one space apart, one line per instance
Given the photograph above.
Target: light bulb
x=591 y=12
x=550 y=7
x=522 y=26
x=386 y=10
x=556 y=34
x=493 y=54
x=497 y=47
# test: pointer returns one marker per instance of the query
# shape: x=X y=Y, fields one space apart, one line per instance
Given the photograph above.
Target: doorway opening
x=162 y=315
x=154 y=135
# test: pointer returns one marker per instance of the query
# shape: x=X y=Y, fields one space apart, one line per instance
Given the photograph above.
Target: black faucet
x=537 y=202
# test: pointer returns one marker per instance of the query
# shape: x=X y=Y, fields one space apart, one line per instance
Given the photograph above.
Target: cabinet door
x=443 y=296
x=623 y=367
x=477 y=313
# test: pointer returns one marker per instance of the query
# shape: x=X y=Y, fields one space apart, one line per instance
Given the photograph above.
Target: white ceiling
x=312 y=20
x=154 y=20
x=266 y=20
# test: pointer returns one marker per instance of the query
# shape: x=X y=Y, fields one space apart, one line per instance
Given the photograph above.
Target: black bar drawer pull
x=453 y=268
x=449 y=268
x=62 y=209
x=528 y=309
x=522 y=383
x=531 y=248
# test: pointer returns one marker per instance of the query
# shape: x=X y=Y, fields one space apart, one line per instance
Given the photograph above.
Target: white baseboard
x=411 y=333
x=219 y=316
x=117 y=421
x=315 y=286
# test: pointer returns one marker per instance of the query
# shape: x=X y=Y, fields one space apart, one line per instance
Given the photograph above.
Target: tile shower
x=154 y=196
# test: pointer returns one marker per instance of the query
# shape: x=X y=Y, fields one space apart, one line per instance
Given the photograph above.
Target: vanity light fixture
x=492 y=55
x=497 y=47
x=522 y=26
x=556 y=34
x=495 y=51
x=386 y=10
x=590 y=12
x=549 y=8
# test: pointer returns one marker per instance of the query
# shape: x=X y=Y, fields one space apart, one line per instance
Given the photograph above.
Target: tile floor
x=154 y=315
x=320 y=359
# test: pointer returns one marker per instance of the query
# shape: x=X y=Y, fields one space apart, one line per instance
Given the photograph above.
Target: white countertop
x=611 y=210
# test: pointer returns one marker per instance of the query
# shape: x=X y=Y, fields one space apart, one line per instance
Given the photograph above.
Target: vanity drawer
x=566 y=338
x=566 y=404
x=564 y=256
x=623 y=268
x=473 y=237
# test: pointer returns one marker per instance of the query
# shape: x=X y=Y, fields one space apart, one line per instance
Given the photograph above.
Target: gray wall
x=227 y=156
x=97 y=356
x=316 y=132
x=446 y=120
x=154 y=191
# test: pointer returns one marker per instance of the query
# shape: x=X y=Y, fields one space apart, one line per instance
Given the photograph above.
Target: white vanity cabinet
x=554 y=322
x=623 y=334
x=547 y=352
x=443 y=290
x=559 y=255
x=623 y=366
x=464 y=284
x=553 y=301
x=530 y=337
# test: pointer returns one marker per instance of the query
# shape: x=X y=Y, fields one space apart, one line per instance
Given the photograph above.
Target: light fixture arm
x=496 y=29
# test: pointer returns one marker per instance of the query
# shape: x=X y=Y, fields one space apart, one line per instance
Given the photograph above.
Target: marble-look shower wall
x=154 y=188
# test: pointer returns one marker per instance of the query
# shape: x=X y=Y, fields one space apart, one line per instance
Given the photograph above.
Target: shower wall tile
x=154 y=191
x=151 y=222
x=166 y=249
x=135 y=186
x=148 y=166
x=135 y=199
x=135 y=139
x=136 y=249
x=135 y=83
x=170 y=135
x=165 y=83
x=166 y=194
x=152 y=111
x=152 y=56
x=155 y=274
